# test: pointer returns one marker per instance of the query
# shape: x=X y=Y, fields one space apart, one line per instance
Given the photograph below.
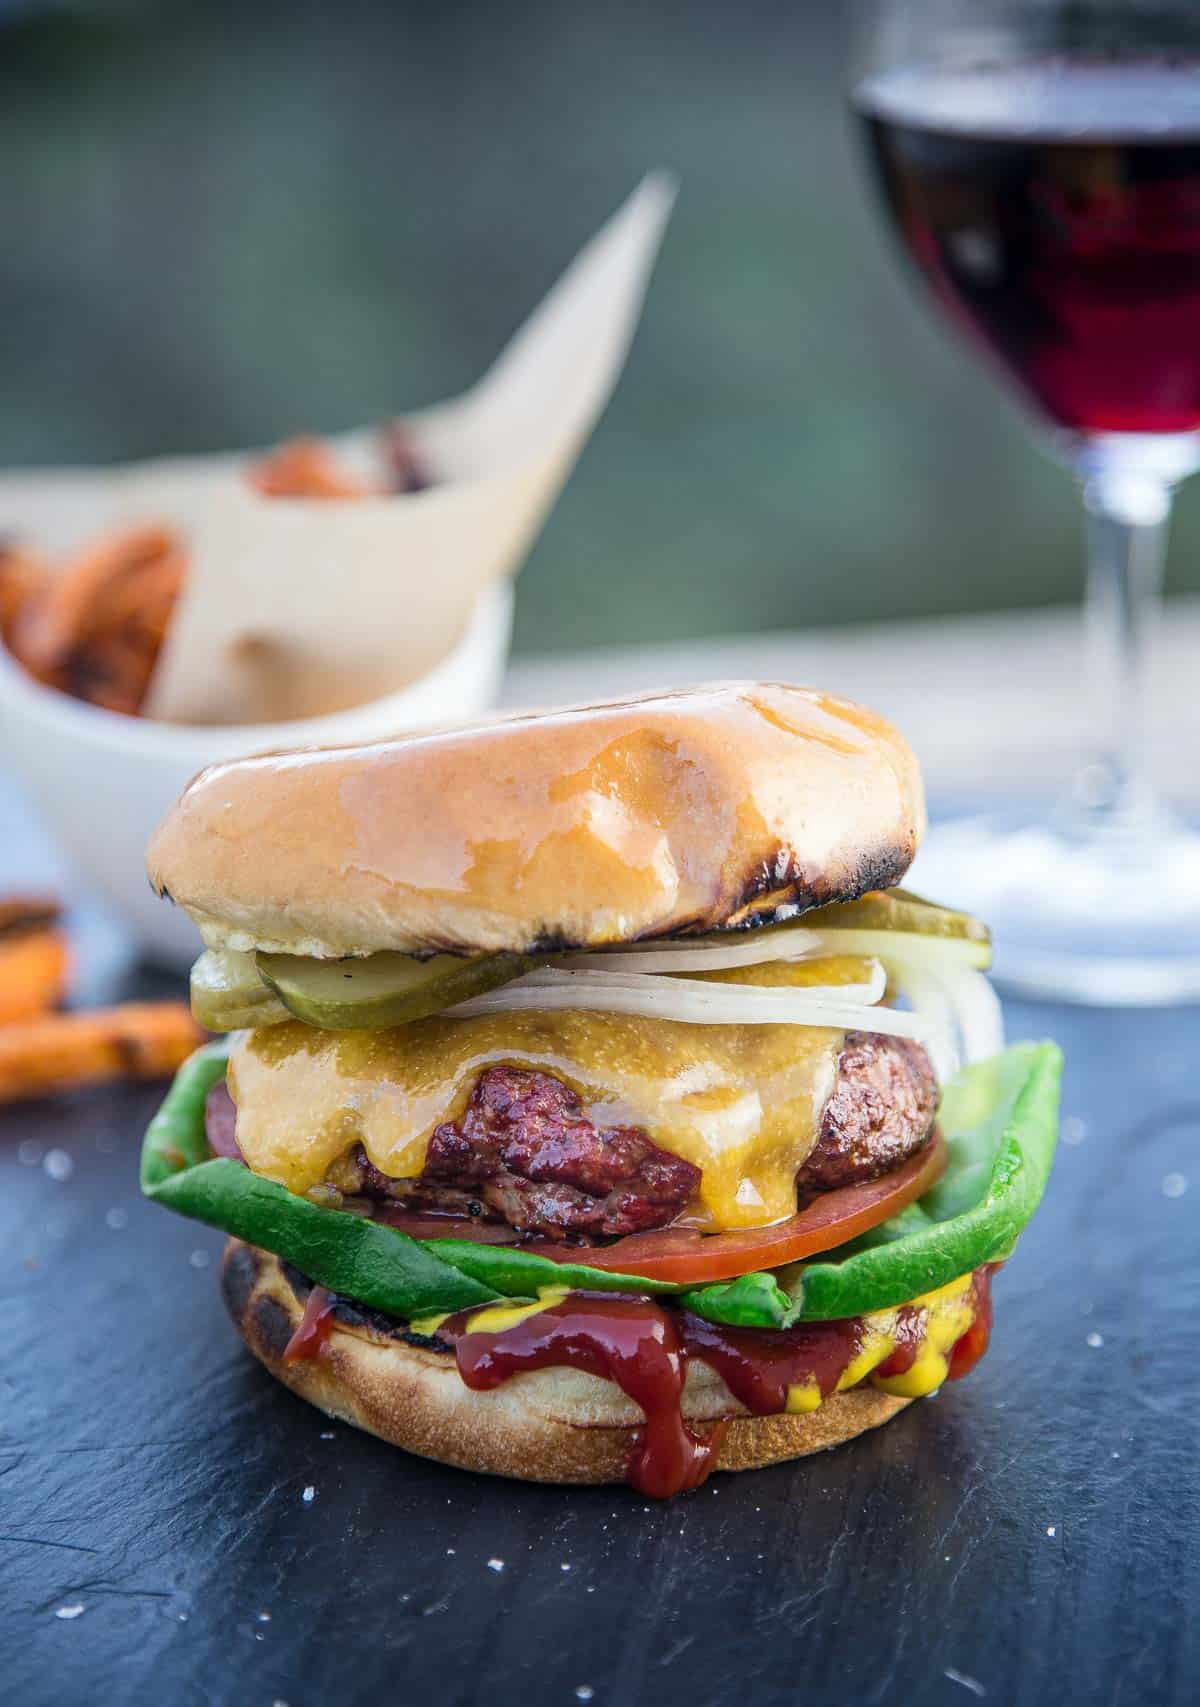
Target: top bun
x=679 y=812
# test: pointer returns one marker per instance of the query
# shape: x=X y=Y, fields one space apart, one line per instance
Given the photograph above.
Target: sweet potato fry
x=27 y=913
x=114 y=662
x=33 y=974
x=95 y=630
x=138 y=1040
x=50 y=627
x=145 y=598
x=304 y=468
x=23 y=576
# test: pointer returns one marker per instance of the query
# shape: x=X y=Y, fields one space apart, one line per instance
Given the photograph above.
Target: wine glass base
x=1102 y=913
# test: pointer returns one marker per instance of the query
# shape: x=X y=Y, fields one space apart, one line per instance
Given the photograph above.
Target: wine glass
x=1040 y=162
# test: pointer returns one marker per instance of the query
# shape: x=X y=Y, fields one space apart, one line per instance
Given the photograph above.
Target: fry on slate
x=34 y=967
x=138 y=1040
x=27 y=913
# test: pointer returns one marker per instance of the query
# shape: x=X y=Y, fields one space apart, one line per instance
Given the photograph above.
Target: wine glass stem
x=1127 y=516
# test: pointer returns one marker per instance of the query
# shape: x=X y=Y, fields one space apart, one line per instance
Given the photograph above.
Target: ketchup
x=758 y=1366
x=907 y=1335
x=313 y=1328
x=970 y=1348
x=629 y=1341
x=644 y=1349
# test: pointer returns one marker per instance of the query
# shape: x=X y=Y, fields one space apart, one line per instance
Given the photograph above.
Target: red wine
x=1055 y=210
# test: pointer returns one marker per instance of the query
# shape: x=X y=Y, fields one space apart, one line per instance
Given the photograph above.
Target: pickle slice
x=382 y=989
x=892 y=922
x=895 y=910
x=227 y=993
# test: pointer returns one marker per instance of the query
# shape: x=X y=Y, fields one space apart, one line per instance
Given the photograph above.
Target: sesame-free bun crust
x=552 y=1425
x=679 y=813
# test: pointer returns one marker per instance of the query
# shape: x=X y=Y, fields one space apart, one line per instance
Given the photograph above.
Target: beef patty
x=881 y=1111
x=524 y=1152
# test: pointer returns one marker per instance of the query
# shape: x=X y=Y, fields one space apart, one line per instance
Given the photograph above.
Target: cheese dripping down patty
x=741 y=1103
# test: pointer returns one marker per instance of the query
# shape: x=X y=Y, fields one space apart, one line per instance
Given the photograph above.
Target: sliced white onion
x=940 y=952
x=928 y=996
x=980 y=1016
x=840 y=1007
x=684 y=956
x=553 y=978
x=960 y=1005
x=690 y=996
x=955 y=1013
x=759 y=947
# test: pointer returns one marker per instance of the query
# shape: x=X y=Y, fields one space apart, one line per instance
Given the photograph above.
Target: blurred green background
x=224 y=223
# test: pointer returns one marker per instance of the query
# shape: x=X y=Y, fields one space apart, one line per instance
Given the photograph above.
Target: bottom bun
x=551 y=1425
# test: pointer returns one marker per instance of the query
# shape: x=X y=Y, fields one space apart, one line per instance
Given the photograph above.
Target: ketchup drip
x=644 y=1349
x=313 y=1328
x=970 y=1348
x=629 y=1341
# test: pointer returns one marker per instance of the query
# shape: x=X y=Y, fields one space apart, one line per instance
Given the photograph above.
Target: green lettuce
x=1000 y=1122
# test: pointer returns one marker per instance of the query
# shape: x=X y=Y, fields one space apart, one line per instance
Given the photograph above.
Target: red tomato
x=684 y=1256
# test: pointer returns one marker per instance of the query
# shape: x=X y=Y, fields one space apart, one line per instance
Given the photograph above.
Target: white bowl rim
x=94 y=723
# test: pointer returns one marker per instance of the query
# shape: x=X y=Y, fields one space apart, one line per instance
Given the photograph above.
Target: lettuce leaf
x=999 y=1118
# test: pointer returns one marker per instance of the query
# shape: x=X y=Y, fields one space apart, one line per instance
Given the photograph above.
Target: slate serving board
x=175 y=1529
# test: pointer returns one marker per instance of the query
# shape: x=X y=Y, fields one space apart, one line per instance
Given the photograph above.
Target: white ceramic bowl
x=103 y=781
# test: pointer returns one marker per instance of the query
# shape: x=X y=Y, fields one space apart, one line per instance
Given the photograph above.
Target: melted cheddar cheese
x=743 y=1103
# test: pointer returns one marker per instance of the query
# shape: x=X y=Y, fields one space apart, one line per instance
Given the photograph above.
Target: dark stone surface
x=1029 y=1536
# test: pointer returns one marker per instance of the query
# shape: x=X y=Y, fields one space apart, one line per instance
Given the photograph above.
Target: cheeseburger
x=594 y=1106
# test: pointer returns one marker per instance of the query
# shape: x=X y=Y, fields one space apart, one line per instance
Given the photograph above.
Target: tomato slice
x=683 y=1255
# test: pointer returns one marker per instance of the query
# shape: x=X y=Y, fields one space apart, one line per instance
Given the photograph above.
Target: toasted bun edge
x=555 y=1425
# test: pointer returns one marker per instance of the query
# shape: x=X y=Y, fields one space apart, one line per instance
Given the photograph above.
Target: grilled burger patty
x=882 y=1109
x=524 y=1152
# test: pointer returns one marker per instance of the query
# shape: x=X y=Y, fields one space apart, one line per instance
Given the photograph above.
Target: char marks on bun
x=709 y=808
